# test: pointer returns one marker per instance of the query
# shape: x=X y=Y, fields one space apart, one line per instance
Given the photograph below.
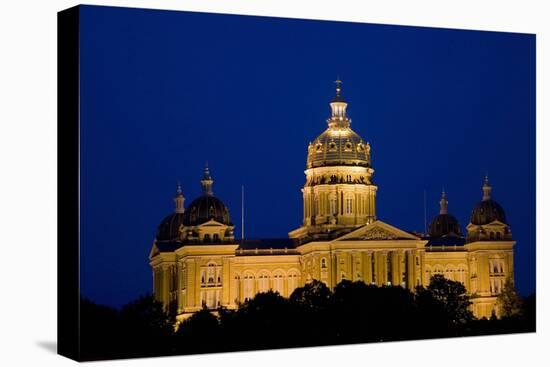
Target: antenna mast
x=425 y=230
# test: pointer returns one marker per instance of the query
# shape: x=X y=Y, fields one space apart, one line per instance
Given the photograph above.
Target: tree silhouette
x=199 y=333
x=146 y=326
x=311 y=310
x=314 y=296
x=313 y=315
x=100 y=331
x=509 y=301
x=453 y=297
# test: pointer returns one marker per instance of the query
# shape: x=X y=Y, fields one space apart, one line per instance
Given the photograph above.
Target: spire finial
x=207 y=181
x=443 y=203
x=206 y=171
x=338 y=106
x=338 y=83
x=486 y=188
x=179 y=200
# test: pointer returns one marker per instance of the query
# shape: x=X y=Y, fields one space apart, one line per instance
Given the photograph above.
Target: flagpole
x=425 y=229
x=242 y=212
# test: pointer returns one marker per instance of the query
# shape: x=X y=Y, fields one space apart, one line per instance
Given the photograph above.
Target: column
x=483 y=273
x=382 y=268
x=193 y=282
x=367 y=265
x=396 y=267
x=179 y=285
x=411 y=280
x=226 y=282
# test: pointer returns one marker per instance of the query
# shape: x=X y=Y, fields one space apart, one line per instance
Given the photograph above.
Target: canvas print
x=242 y=183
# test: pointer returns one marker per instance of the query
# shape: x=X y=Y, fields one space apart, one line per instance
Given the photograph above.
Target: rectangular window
x=349 y=206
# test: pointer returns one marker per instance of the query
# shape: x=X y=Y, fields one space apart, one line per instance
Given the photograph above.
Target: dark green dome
x=205 y=208
x=169 y=228
x=444 y=225
x=487 y=211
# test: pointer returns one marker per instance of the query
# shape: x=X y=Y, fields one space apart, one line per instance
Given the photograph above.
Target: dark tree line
x=313 y=315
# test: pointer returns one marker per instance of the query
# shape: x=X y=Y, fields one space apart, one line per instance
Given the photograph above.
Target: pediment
x=212 y=223
x=495 y=223
x=154 y=251
x=377 y=231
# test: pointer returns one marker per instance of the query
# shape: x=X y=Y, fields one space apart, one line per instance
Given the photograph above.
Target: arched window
x=324 y=263
x=461 y=275
x=216 y=237
x=248 y=286
x=316 y=206
x=263 y=282
x=349 y=205
x=237 y=287
x=207 y=238
x=278 y=282
x=332 y=204
x=292 y=281
x=449 y=272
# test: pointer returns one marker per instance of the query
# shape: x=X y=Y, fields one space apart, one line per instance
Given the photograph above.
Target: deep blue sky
x=162 y=92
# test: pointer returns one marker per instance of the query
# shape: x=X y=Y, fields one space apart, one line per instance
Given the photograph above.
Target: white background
x=28 y=181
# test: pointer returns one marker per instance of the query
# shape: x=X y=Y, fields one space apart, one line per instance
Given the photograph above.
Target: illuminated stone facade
x=196 y=260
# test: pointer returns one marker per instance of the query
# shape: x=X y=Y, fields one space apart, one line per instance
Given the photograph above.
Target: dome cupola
x=444 y=224
x=487 y=210
x=206 y=207
x=170 y=227
x=338 y=145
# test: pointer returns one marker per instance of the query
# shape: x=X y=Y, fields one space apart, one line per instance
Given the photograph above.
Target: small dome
x=487 y=211
x=205 y=208
x=169 y=228
x=443 y=225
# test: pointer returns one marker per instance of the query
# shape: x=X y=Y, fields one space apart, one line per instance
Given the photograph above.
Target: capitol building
x=197 y=261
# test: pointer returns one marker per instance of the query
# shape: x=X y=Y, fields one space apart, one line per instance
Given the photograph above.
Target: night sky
x=163 y=92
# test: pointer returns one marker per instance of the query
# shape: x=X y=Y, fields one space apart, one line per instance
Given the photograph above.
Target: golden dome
x=338 y=145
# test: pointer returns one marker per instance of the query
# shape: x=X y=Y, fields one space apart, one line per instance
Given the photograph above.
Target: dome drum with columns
x=197 y=262
x=339 y=194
